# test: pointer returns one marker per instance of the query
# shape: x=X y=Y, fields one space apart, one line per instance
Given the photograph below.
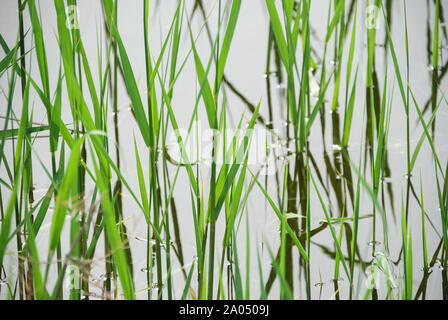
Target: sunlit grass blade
x=278 y=32
x=284 y=284
x=116 y=245
x=282 y=219
x=62 y=200
x=333 y=233
x=187 y=287
x=40 y=47
x=424 y=244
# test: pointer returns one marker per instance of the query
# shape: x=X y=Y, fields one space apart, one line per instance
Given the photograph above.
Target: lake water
x=247 y=84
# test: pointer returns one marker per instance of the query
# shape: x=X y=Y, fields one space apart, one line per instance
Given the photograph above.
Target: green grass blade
x=236 y=5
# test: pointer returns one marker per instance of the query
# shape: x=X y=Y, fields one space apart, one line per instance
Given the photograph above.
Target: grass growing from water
x=325 y=207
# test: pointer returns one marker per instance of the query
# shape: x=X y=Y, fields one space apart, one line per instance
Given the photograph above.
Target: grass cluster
x=84 y=153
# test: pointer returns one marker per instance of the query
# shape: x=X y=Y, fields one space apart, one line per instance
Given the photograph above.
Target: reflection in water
x=347 y=222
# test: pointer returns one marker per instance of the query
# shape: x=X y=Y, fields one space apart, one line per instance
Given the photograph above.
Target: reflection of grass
x=82 y=155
